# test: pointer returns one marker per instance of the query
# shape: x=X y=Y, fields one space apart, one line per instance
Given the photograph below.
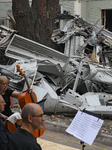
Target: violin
x=26 y=97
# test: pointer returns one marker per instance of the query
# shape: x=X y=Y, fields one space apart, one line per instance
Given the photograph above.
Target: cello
x=27 y=96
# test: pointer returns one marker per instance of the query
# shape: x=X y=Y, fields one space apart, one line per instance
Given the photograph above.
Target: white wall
x=77 y=7
x=91 y=9
x=5 y=5
x=72 y=6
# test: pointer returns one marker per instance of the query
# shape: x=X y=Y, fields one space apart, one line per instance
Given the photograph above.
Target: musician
x=6 y=93
x=4 y=132
x=22 y=138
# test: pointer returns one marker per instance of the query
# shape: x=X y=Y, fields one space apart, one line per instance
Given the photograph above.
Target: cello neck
x=30 y=90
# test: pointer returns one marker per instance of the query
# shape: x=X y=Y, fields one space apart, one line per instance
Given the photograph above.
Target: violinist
x=6 y=93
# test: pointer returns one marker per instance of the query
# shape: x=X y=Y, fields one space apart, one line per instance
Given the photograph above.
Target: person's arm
x=15 y=94
x=3 y=116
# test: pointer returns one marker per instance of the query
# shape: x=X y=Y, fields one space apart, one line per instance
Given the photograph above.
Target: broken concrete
x=71 y=81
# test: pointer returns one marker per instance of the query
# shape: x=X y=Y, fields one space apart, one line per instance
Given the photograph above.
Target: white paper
x=85 y=127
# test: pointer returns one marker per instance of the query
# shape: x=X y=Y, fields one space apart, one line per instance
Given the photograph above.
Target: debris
x=80 y=78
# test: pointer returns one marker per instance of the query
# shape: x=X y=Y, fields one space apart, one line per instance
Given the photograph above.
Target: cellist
x=27 y=96
x=6 y=93
x=22 y=138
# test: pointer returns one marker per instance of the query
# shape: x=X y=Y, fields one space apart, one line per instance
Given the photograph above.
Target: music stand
x=85 y=124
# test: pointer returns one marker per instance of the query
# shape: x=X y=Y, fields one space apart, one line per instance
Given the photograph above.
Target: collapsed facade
x=79 y=78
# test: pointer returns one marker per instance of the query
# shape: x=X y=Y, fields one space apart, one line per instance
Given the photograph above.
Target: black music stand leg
x=83 y=145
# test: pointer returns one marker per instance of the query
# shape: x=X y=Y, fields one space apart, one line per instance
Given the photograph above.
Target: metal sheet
x=24 y=49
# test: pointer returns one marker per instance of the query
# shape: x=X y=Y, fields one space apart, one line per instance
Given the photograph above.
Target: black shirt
x=22 y=140
x=4 y=136
x=6 y=97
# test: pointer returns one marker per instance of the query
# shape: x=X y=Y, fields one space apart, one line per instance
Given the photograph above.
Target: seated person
x=4 y=132
x=6 y=93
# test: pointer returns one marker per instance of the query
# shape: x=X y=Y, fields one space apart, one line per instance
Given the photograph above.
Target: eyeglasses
x=3 y=102
x=4 y=84
x=42 y=116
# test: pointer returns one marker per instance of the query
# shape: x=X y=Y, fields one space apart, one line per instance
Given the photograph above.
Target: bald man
x=22 y=138
x=4 y=133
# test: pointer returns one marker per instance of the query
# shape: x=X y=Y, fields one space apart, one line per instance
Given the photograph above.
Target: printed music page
x=85 y=127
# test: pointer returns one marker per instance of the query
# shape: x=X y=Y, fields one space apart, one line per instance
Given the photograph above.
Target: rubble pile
x=78 y=79
x=85 y=39
x=5 y=37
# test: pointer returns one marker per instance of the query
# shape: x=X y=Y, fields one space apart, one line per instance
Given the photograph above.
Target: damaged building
x=79 y=77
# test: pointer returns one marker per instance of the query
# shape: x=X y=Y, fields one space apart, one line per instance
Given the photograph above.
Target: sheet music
x=85 y=127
